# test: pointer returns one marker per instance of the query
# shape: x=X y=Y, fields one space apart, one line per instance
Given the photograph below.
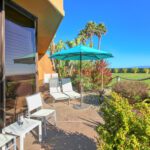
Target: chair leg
x=45 y=130
x=69 y=101
x=53 y=102
x=55 y=117
x=15 y=146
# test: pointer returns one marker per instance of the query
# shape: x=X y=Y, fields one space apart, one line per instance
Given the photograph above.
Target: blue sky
x=127 y=22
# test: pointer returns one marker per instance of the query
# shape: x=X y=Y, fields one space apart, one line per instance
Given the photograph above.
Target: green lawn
x=131 y=76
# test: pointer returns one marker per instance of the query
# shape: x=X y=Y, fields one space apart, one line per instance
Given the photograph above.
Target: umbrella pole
x=81 y=101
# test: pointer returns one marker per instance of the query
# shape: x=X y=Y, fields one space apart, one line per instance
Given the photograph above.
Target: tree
x=78 y=40
x=124 y=70
x=83 y=37
x=116 y=70
x=99 y=31
x=90 y=30
x=135 y=70
x=60 y=45
x=101 y=75
x=146 y=70
x=71 y=44
x=52 y=49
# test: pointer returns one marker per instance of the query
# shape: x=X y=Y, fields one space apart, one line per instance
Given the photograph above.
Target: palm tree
x=52 y=49
x=71 y=44
x=90 y=30
x=60 y=45
x=99 y=31
x=78 y=40
x=83 y=36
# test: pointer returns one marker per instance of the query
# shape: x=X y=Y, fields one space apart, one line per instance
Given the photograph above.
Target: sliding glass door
x=20 y=60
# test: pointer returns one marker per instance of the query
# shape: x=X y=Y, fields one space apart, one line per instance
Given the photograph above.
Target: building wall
x=49 y=13
x=58 y=4
x=44 y=67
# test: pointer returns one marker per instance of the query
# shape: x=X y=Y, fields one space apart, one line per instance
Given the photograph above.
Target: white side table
x=22 y=130
x=5 y=139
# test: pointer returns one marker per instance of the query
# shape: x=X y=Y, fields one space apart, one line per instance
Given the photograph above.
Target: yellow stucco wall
x=49 y=14
x=44 y=66
x=58 y=4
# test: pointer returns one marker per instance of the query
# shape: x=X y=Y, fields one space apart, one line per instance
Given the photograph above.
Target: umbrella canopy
x=81 y=53
x=28 y=59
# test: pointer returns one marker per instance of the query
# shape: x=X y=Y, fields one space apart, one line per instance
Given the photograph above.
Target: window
x=20 y=67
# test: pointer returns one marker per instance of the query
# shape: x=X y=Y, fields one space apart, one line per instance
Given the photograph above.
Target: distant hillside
x=141 y=67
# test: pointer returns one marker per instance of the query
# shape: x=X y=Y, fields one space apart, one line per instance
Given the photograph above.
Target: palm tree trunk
x=91 y=41
x=99 y=42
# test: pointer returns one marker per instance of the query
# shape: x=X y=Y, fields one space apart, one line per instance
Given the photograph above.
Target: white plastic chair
x=47 y=77
x=34 y=102
x=5 y=139
x=55 y=91
x=68 y=90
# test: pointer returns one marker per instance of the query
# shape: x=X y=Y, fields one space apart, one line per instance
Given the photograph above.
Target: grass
x=133 y=76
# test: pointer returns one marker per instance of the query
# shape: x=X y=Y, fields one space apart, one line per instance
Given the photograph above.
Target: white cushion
x=73 y=94
x=43 y=113
x=68 y=90
x=59 y=96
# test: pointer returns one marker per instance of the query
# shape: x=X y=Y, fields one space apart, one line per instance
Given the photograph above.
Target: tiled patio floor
x=75 y=130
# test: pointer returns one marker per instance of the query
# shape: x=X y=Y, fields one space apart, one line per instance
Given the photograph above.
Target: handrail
x=142 y=79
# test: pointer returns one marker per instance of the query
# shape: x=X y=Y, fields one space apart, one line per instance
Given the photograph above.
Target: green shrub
x=86 y=83
x=133 y=90
x=126 y=127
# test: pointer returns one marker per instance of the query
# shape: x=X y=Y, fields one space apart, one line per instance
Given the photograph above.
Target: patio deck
x=74 y=130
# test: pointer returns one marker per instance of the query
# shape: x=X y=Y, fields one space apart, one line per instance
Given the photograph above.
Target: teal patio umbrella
x=81 y=53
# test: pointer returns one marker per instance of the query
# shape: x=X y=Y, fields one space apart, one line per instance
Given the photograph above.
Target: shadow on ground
x=89 y=122
x=58 y=139
x=92 y=99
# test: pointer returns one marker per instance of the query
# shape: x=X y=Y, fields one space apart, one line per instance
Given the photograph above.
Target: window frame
x=27 y=14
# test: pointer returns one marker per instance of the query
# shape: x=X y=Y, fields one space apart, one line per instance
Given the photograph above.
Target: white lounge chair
x=47 y=77
x=68 y=90
x=34 y=102
x=55 y=91
x=54 y=75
